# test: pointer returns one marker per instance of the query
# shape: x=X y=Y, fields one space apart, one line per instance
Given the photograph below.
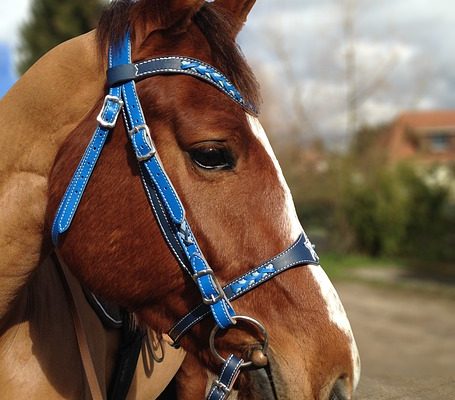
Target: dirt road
x=406 y=340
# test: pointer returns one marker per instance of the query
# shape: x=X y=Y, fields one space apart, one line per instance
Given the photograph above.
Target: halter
x=166 y=205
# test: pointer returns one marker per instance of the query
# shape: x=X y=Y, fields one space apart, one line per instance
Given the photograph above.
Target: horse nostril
x=340 y=389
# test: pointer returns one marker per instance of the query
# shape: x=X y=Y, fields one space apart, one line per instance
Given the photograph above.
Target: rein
x=166 y=205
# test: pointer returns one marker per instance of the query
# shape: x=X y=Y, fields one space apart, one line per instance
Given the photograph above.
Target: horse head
x=237 y=203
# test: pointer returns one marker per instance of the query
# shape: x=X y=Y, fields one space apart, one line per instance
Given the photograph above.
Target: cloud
x=405 y=57
x=12 y=14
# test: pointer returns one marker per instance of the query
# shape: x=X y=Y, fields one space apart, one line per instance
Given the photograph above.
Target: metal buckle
x=101 y=120
x=213 y=299
x=226 y=390
x=148 y=139
x=252 y=321
x=202 y=272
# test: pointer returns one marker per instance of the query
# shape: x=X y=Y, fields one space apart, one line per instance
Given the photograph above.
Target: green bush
x=377 y=209
x=397 y=212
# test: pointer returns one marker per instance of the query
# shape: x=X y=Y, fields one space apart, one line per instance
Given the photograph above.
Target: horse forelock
x=214 y=22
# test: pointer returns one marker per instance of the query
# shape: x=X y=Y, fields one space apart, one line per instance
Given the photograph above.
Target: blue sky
x=404 y=56
x=7 y=77
x=12 y=14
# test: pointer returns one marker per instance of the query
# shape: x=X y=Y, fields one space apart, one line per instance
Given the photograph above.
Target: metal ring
x=255 y=322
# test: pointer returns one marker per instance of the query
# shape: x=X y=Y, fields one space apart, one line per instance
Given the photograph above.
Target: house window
x=439 y=142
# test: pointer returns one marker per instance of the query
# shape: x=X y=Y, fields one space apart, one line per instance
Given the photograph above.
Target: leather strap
x=301 y=252
x=221 y=388
x=127 y=358
x=155 y=178
x=120 y=74
x=84 y=350
x=167 y=207
x=106 y=121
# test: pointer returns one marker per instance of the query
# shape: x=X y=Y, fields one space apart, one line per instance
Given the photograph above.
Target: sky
x=12 y=14
x=404 y=54
x=404 y=51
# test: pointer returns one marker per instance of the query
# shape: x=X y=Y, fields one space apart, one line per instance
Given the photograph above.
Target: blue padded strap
x=120 y=74
x=72 y=197
x=299 y=253
x=221 y=388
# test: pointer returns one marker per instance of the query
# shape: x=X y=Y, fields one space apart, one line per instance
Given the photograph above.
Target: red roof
x=399 y=144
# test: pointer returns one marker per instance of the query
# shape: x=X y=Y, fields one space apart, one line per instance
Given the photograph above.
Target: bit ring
x=252 y=321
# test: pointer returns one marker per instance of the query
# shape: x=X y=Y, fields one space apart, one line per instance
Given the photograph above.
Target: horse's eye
x=212 y=157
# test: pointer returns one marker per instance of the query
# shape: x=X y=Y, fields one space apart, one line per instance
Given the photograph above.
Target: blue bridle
x=165 y=202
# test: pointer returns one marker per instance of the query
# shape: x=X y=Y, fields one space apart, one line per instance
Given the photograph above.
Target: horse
x=240 y=209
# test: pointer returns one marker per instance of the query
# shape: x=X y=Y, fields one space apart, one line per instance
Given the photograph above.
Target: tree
x=51 y=22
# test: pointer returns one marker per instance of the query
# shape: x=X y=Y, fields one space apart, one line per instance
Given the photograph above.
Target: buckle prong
x=213 y=299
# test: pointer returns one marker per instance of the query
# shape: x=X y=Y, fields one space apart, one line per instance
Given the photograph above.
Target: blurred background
x=359 y=105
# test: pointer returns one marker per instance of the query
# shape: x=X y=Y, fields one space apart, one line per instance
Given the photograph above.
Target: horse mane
x=214 y=23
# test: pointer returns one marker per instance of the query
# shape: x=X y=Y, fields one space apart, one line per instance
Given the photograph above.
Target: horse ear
x=164 y=14
x=238 y=9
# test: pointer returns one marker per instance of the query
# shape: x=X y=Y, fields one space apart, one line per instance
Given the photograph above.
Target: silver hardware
x=226 y=390
x=101 y=120
x=148 y=139
x=213 y=299
x=202 y=272
x=256 y=323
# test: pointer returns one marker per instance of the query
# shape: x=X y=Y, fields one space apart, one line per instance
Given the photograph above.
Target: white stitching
x=163 y=196
x=183 y=321
x=160 y=224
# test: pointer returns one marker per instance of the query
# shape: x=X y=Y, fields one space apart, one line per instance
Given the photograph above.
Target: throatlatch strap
x=106 y=121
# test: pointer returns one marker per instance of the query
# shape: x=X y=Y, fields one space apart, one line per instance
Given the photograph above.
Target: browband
x=120 y=74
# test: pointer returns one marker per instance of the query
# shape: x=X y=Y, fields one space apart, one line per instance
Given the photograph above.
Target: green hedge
x=398 y=212
x=379 y=211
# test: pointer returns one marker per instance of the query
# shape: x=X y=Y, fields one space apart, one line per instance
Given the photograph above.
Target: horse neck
x=42 y=322
x=36 y=115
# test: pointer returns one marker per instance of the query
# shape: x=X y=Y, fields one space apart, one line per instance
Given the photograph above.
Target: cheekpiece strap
x=155 y=179
x=222 y=387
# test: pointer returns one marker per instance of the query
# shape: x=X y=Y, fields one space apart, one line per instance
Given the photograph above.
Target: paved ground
x=406 y=340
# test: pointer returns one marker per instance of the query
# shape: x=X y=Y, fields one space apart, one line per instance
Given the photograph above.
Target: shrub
x=397 y=212
x=377 y=209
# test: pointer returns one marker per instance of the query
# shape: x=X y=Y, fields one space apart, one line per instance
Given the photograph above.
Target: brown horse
x=241 y=215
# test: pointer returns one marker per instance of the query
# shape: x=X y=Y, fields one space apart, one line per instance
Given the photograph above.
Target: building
x=427 y=137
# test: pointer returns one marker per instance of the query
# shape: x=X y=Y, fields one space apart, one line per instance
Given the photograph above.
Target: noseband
x=166 y=205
